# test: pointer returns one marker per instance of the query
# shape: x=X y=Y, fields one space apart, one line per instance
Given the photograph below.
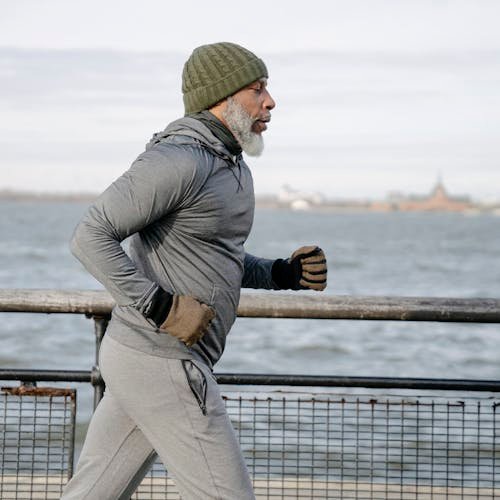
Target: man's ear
x=218 y=110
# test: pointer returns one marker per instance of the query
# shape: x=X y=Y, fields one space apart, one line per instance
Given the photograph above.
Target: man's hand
x=309 y=268
x=188 y=319
x=305 y=269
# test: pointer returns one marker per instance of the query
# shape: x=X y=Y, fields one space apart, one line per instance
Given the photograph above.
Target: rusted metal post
x=100 y=325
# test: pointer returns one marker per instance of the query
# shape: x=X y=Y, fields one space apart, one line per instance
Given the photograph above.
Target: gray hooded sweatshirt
x=187 y=206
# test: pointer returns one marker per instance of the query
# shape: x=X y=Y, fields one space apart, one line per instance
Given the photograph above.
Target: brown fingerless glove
x=182 y=316
x=188 y=319
x=305 y=269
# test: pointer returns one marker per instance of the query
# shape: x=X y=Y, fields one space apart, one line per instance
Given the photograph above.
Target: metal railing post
x=100 y=325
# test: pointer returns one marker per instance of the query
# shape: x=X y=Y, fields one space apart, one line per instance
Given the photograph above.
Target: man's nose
x=269 y=101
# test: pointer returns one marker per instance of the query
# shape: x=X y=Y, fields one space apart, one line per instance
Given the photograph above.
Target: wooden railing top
x=276 y=305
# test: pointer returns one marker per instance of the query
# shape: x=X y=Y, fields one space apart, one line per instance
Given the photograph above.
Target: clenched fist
x=309 y=266
x=305 y=269
x=188 y=319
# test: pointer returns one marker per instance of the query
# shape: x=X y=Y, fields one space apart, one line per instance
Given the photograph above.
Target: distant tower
x=439 y=190
x=438 y=200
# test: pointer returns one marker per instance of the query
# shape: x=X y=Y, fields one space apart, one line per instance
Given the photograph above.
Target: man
x=187 y=203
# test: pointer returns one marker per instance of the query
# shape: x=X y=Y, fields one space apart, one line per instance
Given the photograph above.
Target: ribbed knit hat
x=214 y=72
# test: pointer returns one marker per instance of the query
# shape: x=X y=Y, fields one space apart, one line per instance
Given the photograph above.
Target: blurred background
x=372 y=95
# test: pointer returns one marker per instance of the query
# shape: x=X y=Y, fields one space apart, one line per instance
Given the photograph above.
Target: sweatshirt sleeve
x=257 y=273
x=154 y=186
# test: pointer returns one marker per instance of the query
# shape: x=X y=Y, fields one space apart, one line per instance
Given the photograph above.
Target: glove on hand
x=182 y=316
x=309 y=268
x=188 y=319
x=305 y=269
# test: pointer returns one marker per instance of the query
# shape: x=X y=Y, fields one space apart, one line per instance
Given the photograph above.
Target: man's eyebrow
x=261 y=82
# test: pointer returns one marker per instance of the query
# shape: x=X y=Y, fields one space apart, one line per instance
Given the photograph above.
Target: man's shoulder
x=170 y=152
x=168 y=160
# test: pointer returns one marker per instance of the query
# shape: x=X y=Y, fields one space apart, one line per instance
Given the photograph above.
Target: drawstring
x=237 y=177
x=234 y=163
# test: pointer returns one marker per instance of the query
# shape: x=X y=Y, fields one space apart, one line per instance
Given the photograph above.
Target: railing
x=329 y=441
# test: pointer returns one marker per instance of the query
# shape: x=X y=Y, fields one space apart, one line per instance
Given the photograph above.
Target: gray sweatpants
x=159 y=405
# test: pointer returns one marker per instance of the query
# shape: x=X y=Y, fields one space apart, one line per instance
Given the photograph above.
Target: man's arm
x=305 y=269
x=151 y=189
x=258 y=273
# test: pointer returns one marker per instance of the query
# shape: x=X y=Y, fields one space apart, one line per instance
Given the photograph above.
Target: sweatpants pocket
x=197 y=383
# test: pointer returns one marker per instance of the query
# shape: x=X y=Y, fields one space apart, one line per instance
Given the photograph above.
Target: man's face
x=246 y=114
x=257 y=102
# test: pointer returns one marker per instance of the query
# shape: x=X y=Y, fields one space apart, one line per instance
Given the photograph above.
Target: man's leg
x=190 y=430
x=114 y=458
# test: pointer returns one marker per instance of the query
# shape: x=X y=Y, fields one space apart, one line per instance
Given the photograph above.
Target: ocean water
x=447 y=255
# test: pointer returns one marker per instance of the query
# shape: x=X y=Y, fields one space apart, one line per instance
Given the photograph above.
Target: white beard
x=240 y=124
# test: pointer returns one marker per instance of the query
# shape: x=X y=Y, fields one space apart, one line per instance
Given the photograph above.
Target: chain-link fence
x=308 y=444
x=341 y=437
x=37 y=441
x=364 y=446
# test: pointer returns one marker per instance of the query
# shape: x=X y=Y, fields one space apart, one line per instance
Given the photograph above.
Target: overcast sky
x=274 y=26
x=373 y=95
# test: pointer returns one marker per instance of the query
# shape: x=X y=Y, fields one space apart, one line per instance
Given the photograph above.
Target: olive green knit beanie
x=214 y=72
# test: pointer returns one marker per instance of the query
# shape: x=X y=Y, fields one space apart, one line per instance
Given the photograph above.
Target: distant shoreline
x=8 y=195
x=262 y=202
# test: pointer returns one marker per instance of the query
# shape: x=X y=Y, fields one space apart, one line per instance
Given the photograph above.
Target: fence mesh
x=36 y=439
x=297 y=445
x=361 y=446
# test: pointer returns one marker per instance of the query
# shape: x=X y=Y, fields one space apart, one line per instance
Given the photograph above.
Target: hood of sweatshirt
x=188 y=130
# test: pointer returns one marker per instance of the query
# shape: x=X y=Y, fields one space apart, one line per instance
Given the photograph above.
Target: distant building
x=299 y=200
x=438 y=200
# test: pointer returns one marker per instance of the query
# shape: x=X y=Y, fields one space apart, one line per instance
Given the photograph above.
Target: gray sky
x=276 y=26
x=373 y=95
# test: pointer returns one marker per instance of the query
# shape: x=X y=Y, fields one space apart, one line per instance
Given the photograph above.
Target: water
x=368 y=254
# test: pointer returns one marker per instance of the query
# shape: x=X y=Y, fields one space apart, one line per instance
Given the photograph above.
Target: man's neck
x=220 y=130
x=217 y=112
